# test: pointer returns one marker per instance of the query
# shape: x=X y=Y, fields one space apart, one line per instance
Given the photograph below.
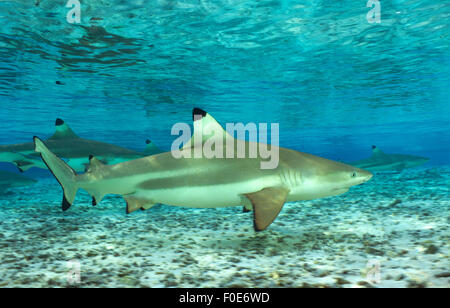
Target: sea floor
x=390 y=232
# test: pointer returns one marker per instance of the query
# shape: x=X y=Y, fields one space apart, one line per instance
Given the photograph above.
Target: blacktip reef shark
x=380 y=161
x=208 y=182
x=10 y=179
x=66 y=144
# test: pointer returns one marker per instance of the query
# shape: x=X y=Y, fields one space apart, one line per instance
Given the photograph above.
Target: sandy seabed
x=398 y=222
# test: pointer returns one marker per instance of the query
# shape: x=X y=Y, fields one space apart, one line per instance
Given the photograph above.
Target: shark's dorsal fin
x=62 y=130
x=267 y=204
x=151 y=148
x=376 y=151
x=94 y=164
x=205 y=128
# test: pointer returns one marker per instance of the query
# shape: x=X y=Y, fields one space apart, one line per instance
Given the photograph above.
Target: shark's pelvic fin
x=136 y=203
x=65 y=175
x=267 y=204
x=62 y=130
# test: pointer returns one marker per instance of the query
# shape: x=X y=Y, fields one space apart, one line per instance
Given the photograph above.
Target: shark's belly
x=190 y=182
x=209 y=196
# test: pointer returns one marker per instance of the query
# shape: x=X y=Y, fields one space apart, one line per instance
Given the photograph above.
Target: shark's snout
x=369 y=175
x=364 y=175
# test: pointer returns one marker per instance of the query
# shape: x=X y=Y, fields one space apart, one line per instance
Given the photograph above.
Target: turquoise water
x=334 y=82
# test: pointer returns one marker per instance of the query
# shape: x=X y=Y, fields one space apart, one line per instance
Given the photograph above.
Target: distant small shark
x=208 y=182
x=10 y=179
x=380 y=161
x=66 y=144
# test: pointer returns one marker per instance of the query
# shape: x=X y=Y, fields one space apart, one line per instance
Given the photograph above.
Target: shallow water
x=334 y=82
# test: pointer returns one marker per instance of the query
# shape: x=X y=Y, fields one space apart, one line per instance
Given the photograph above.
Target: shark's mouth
x=341 y=190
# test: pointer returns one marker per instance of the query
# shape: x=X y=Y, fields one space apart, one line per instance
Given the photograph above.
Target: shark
x=380 y=161
x=10 y=179
x=201 y=182
x=68 y=145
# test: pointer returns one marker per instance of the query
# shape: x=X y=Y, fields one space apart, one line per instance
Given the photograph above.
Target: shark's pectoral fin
x=24 y=165
x=267 y=204
x=136 y=203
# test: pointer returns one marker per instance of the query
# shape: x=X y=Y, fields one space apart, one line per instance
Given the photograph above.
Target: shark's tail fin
x=65 y=175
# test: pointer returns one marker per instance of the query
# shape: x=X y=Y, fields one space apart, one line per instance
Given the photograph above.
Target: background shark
x=66 y=144
x=380 y=161
x=10 y=179
x=208 y=182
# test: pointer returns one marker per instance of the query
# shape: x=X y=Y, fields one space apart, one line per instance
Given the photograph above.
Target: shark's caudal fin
x=65 y=175
x=62 y=130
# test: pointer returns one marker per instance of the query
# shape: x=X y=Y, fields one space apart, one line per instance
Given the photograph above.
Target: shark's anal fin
x=267 y=204
x=136 y=203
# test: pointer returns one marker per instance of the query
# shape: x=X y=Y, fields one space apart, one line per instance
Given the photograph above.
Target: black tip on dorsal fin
x=91 y=156
x=65 y=204
x=198 y=113
x=94 y=202
x=374 y=147
x=148 y=141
x=59 y=122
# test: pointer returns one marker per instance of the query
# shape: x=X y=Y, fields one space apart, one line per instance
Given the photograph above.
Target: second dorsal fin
x=62 y=130
x=94 y=164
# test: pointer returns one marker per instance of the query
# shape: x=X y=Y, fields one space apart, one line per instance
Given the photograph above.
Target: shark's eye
x=353 y=174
